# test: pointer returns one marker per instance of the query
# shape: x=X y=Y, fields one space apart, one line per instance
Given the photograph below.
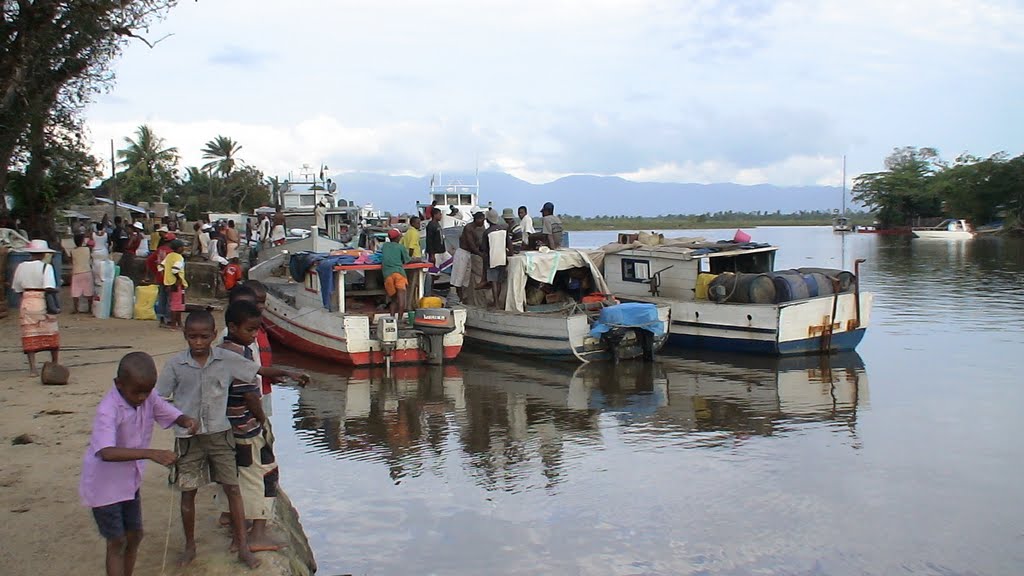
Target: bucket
x=741 y=237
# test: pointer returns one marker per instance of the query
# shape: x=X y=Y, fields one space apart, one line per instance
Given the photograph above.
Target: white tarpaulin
x=542 y=266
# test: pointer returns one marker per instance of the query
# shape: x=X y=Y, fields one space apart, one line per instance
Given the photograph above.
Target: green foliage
x=242 y=191
x=223 y=155
x=150 y=167
x=916 y=183
x=903 y=191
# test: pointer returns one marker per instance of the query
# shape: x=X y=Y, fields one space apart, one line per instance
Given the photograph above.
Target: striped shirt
x=243 y=422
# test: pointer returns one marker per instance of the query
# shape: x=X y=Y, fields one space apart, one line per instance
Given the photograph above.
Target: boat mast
x=844 y=184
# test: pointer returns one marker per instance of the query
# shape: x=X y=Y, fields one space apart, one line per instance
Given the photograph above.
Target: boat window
x=754 y=263
x=311 y=283
x=635 y=270
x=466 y=199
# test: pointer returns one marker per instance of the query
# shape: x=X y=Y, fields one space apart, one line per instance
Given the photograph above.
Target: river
x=902 y=458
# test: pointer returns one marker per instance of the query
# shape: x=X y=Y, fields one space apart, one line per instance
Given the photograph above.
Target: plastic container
x=431 y=302
x=741 y=237
x=703 y=281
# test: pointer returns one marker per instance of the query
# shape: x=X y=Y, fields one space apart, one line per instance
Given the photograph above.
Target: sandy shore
x=45 y=529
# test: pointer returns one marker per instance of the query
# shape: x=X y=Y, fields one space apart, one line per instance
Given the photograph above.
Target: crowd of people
x=487 y=242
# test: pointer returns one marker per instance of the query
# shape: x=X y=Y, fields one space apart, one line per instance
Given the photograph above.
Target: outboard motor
x=432 y=324
x=387 y=332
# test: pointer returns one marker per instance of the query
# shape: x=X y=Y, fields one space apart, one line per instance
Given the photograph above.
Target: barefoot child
x=172 y=271
x=113 y=463
x=257 y=466
x=198 y=381
x=81 y=274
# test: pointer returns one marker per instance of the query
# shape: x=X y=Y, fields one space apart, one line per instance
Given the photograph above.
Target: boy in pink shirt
x=114 y=461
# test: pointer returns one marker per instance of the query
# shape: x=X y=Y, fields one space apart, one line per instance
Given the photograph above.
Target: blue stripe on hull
x=841 y=342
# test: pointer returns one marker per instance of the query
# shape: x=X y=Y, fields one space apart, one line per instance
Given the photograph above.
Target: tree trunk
x=38 y=209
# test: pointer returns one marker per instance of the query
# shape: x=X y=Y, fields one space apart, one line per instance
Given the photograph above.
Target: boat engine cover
x=434 y=320
x=387 y=329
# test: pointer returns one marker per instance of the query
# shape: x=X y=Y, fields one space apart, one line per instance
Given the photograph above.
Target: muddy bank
x=45 y=529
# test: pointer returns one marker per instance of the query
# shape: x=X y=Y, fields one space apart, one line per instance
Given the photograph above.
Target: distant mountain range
x=595 y=195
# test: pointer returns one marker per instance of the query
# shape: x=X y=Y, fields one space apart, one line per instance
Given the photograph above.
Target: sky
x=744 y=91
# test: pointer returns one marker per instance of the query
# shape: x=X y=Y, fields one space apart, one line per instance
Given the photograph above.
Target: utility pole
x=113 y=177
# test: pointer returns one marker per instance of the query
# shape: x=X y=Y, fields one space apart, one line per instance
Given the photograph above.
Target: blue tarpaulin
x=628 y=315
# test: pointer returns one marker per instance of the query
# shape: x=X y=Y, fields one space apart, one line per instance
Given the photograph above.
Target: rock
x=54 y=374
x=22 y=439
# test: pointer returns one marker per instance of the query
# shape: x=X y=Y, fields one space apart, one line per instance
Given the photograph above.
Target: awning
x=542 y=266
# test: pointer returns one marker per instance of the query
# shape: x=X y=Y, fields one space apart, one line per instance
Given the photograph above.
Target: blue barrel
x=14 y=258
x=789 y=287
x=812 y=285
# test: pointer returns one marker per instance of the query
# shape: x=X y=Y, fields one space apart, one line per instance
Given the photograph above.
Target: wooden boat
x=561 y=330
x=349 y=329
x=742 y=313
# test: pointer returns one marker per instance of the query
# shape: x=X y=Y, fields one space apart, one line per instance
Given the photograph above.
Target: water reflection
x=512 y=421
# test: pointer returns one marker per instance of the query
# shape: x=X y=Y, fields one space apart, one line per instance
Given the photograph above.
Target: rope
x=167 y=537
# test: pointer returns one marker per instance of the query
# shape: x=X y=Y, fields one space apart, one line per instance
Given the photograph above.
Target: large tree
x=223 y=155
x=54 y=54
x=149 y=166
x=902 y=191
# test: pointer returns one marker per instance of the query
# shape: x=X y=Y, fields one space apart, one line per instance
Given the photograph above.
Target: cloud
x=709 y=90
x=237 y=56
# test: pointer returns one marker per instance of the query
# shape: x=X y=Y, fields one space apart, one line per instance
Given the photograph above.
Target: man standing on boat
x=551 y=226
x=468 y=264
x=435 y=239
x=526 y=225
x=497 y=248
x=321 y=218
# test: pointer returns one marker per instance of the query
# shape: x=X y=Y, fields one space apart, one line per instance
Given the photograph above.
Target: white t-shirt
x=527 y=226
x=29 y=276
x=100 y=244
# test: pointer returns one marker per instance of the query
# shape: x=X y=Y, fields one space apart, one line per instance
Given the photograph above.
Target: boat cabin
x=672 y=271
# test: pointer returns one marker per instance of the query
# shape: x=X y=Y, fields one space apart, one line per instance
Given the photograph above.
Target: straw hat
x=38 y=247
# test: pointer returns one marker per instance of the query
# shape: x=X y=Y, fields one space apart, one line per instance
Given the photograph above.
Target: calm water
x=901 y=459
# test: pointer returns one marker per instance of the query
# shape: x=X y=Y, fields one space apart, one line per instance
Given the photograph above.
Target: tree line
x=917 y=183
x=150 y=173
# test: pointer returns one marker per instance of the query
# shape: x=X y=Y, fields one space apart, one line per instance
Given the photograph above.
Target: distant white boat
x=840 y=223
x=952 y=229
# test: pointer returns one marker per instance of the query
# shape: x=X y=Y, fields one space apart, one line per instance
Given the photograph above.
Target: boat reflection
x=516 y=425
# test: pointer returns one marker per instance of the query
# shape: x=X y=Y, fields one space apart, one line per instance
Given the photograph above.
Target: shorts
x=205 y=458
x=394 y=283
x=257 y=477
x=496 y=274
x=176 y=300
x=82 y=285
x=114 y=520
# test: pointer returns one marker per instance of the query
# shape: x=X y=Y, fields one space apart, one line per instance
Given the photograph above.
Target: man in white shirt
x=321 y=218
x=526 y=224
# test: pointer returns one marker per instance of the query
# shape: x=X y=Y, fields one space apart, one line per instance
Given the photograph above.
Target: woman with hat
x=33 y=279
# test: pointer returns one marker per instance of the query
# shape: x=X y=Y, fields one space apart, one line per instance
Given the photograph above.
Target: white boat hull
x=798 y=327
x=943 y=234
x=549 y=335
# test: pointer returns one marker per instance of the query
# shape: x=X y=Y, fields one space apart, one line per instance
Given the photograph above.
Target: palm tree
x=222 y=152
x=147 y=161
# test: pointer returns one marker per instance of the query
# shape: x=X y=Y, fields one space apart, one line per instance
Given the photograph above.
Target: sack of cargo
x=703 y=281
x=124 y=297
x=650 y=238
x=145 y=302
